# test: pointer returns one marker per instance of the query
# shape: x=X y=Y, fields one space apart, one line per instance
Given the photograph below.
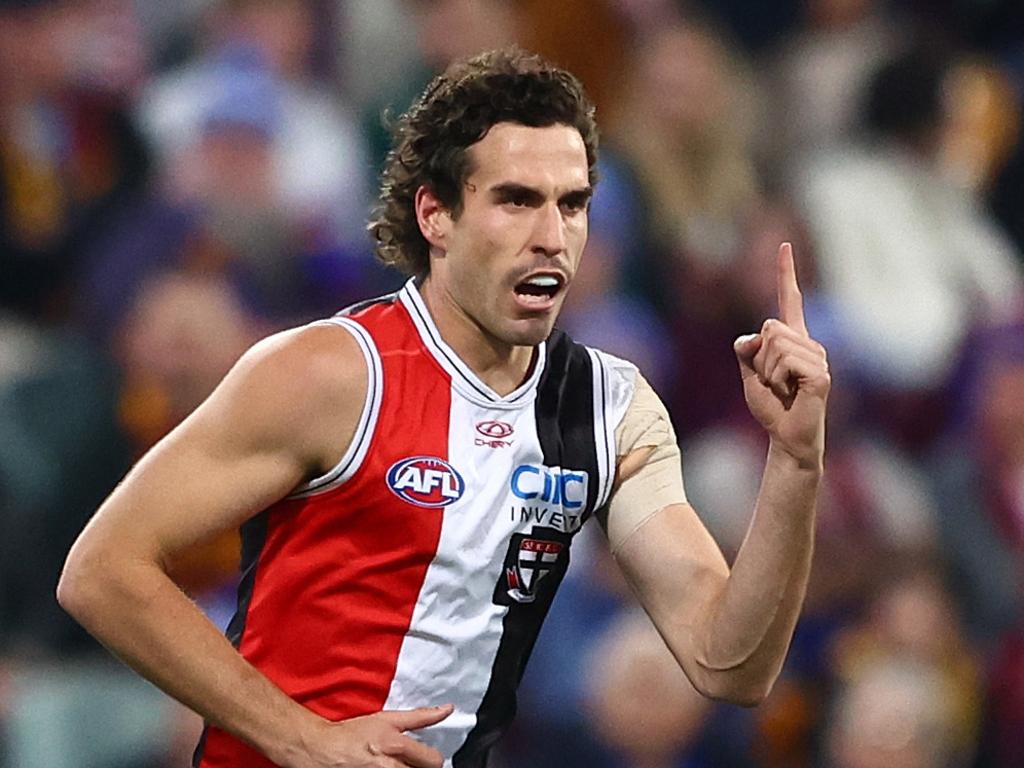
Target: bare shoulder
x=285 y=413
x=302 y=389
x=312 y=364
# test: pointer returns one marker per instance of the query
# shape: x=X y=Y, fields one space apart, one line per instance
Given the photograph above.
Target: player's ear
x=433 y=217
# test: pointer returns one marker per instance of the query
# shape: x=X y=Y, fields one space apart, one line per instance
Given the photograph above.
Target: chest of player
x=482 y=467
x=444 y=473
x=473 y=485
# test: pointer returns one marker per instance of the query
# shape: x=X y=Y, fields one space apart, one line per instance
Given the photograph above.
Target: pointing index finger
x=791 y=302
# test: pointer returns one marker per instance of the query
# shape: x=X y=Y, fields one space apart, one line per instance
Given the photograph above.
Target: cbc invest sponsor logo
x=552 y=485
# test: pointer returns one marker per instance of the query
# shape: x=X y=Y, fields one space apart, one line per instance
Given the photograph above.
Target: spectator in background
x=643 y=707
x=815 y=78
x=376 y=52
x=978 y=471
x=69 y=153
x=59 y=453
x=170 y=359
x=982 y=146
x=910 y=260
x=319 y=162
x=216 y=212
x=442 y=31
x=895 y=716
x=685 y=125
x=64 y=703
x=909 y=690
x=983 y=124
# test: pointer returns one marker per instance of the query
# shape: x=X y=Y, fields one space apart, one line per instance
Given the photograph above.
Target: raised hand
x=375 y=741
x=785 y=373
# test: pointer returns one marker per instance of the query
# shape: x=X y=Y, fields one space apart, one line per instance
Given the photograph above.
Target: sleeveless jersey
x=418 y=571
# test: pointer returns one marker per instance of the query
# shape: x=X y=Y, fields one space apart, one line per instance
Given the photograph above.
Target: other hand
x=375 y=741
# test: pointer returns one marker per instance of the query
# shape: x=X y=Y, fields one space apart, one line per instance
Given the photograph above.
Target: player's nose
x=549 y=230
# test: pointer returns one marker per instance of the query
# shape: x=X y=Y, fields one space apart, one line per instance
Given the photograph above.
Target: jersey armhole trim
x=611 y=402
x=360 y=445
x=604 y=439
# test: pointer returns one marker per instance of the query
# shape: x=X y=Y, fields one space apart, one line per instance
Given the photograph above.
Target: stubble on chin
x=529 y=334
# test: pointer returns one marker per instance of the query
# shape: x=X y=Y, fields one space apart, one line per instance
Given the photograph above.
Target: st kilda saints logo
x=533 y=559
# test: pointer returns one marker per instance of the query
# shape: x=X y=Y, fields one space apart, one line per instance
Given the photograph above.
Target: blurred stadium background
x=180 y=179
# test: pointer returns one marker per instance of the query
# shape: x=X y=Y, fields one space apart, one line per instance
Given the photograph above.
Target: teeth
x=543 y=281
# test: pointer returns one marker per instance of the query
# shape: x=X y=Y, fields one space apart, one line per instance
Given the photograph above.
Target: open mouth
x=539 y=290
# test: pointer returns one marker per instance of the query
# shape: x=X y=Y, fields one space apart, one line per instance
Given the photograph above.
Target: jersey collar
x=463 y=378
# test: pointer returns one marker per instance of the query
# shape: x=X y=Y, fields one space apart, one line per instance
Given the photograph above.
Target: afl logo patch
x=425 y=481
x=494 y=429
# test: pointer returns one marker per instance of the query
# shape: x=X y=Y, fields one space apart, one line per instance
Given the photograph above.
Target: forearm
x=749 y=627
x=140 y=615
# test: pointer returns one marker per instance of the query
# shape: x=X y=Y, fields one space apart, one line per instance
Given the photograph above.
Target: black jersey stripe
x=564 y=411
x=254 y=536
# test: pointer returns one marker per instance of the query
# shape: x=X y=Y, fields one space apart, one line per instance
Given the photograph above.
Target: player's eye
x=518 y=199
x=574 y=204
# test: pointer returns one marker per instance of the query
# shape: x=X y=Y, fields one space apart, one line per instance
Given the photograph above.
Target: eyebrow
x=511 y=189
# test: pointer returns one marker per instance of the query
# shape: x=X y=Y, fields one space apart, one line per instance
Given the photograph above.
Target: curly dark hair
x=455 y=111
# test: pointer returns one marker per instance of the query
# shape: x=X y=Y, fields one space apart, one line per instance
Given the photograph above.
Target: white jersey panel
x=449 y=650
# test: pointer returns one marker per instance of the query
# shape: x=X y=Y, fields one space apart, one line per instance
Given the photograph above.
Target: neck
x=500 y=365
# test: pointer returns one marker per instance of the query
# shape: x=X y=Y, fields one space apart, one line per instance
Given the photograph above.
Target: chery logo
x=494 y=429
x=494 y=434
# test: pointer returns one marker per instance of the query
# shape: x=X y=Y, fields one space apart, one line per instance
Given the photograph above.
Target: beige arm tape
x=650 y=474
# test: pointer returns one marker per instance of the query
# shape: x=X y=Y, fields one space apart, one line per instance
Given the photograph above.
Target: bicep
x=203 y=478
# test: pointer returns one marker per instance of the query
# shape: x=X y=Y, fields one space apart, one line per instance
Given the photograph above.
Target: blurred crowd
x=180 y=179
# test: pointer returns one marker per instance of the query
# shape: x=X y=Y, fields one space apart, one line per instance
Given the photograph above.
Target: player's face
x=512 y=252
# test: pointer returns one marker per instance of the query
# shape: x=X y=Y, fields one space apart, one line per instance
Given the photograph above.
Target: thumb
x=745 y=348
x=413 y=719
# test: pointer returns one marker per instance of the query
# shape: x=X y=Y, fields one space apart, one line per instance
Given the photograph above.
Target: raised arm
x=730 y=630
x=284 y=413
